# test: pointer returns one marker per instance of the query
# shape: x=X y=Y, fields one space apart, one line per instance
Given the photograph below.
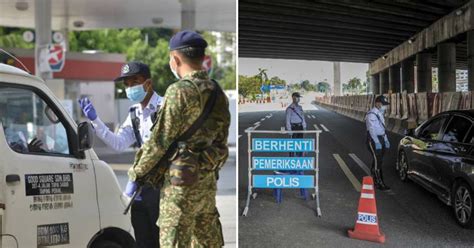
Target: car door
x=421 y=147
x=447 y=153
x=49 y=190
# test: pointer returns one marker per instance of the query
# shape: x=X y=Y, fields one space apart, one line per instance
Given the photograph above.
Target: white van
x=54 y=190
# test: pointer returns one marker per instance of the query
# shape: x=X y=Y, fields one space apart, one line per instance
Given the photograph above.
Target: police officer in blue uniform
x=377 y=140
x=136 y=129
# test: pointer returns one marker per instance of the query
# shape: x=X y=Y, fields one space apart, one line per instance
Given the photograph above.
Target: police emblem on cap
x=125 y=69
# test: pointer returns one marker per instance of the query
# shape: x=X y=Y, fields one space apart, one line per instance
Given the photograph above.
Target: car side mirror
x=85 y=135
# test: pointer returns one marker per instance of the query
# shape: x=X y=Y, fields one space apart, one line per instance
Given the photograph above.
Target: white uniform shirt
x=375 y=125
x=293 y=118
x=125 y=137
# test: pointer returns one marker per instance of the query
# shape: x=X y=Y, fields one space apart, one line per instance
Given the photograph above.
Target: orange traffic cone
x=367 y=224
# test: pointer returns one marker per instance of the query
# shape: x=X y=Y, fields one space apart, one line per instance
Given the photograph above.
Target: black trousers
x=144 y=216
x=377 y=156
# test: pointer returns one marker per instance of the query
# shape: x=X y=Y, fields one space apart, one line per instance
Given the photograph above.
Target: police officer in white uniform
x=295 y=116
x=136 y=129
x=377 y=140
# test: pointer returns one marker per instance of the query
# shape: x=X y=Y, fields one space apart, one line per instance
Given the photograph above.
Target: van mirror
x=85 y=135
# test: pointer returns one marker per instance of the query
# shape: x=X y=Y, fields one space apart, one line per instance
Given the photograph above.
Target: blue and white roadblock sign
x=283 y=172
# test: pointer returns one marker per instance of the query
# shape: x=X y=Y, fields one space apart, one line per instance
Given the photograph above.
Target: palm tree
x=262 y=74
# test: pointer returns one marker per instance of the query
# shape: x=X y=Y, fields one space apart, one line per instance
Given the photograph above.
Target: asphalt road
x=408 y=215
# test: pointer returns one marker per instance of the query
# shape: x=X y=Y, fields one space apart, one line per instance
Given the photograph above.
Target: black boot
x=378 y=181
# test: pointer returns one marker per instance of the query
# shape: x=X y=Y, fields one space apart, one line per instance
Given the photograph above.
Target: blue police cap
x=133 y=68
x=185 y=39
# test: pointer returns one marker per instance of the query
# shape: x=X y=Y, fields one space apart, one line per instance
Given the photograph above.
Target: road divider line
x=255 y=127
x=360 y=163
x=262 y=119
x=314 y=117
x=325 y=128
x=256 y=123
x=316 y=127
x=308 y=116
x=348 y=172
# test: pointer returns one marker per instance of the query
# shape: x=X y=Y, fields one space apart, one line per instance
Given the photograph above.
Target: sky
x=294 y=71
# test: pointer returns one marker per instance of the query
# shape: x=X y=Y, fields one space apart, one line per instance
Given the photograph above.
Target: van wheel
x=106 y=244
x=463 y=204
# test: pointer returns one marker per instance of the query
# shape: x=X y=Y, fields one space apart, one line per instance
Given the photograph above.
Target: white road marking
x=314 y=117
x=325 y=128
x=262 y=119
x=240 y=136
x=256 y=123
x=361 y=164
x=348 y=172
x=316 y=127
x=282 y=129
x=308 y=116
x=255 y=127
x=316 y=108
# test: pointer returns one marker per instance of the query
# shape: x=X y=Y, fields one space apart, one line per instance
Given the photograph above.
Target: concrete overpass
x=395 y=37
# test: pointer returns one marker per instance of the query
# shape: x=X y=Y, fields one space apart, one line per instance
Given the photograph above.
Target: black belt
x=297 y=124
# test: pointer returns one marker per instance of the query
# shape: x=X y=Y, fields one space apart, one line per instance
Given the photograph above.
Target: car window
x=30 y=126
x=431 y=130
x=457 y=129
x=470 y=136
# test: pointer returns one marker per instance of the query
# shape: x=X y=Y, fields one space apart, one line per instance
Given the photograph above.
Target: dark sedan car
x=439 y=155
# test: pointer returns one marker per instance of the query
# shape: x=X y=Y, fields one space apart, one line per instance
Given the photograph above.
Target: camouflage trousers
x=188 y=214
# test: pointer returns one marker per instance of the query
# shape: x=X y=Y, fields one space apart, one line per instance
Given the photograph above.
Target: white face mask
x=383 y=108
x=173 y=70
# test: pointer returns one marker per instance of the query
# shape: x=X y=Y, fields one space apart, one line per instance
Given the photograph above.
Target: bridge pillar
x=423 y=72
x=470 y=60
x=42 y=34
x=375 y=84
x=384 y=82
x=408 y=76
x=337 y=78
x=394 y=78
x=447 y=67
x=188 y=15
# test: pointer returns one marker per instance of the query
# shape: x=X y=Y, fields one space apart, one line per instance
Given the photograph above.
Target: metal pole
x=249 y=186
x=318 y=208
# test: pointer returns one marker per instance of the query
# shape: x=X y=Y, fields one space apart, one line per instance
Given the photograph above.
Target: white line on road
x=325 y=128
x=262 y=119
x=316 y=108
x=348 y=172
x=359 y=162
x=314 y=117
x=308 y=116
x=240 y=136
x=316 y=127
x=256 y=123
x=255 y=127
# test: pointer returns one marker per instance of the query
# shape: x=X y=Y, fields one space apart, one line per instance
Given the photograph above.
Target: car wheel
x=463 y=205
x=403 y=166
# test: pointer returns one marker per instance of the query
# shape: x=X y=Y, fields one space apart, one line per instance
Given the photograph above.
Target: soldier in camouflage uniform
x=188 y=214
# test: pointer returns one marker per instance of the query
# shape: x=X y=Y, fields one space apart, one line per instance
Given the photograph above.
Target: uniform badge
x=125 y=69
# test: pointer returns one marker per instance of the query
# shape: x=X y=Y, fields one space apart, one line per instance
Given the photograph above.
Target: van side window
x=29 y=125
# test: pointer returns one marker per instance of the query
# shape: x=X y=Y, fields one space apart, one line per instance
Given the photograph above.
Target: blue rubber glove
x=378 y=146
x=130 y=189
x=88 y=108
x=387 y=144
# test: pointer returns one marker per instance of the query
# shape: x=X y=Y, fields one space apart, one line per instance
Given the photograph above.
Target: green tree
x=323 y=87
x=13 y=37
x=249 y=86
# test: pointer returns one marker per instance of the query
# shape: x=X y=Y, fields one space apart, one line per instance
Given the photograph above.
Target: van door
x=49 y=191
